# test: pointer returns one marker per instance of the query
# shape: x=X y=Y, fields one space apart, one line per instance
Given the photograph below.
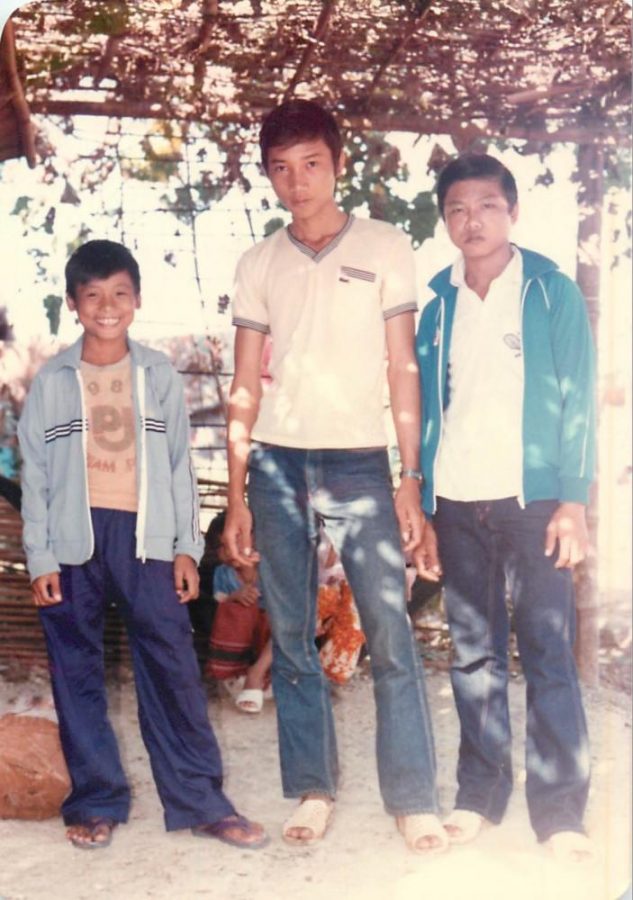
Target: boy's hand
x=236 y=536
x=247 y=595
x=409 y=513
x=425 y=556
x=46 y=590
x=186 y=578
x=568 y=528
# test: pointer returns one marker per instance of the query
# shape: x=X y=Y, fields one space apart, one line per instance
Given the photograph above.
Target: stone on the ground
x=33 y=775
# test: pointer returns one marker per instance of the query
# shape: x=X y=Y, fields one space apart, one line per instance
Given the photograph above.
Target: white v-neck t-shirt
x=325 y=312
x=481 y=452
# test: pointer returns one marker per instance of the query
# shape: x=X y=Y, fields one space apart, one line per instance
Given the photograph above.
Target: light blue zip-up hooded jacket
x=53 y=436
x=558 y=411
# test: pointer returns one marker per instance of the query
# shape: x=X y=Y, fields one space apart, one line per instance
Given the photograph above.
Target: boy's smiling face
x=303 y=176
x=105 y=308
x=478 y=217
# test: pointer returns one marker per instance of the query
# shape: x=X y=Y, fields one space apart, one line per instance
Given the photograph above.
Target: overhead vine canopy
x=540 y=70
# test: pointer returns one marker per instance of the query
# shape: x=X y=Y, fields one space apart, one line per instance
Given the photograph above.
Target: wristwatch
x=412 y=473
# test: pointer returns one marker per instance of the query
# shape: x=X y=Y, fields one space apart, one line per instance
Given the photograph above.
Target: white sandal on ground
x=314 y=814
x=250 y=700
x=420 y=827
x=463 y=826
x=570 y=847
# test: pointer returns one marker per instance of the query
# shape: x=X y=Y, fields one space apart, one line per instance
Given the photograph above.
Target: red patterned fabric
x=238 y=635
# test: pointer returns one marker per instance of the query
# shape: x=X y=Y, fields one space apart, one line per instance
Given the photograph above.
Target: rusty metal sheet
x=22 y=646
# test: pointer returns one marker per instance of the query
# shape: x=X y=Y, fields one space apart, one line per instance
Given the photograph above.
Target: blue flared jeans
x=489 y=548
x=290 y=492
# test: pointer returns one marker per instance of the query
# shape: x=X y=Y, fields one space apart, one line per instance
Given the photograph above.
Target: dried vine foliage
x=540 y=70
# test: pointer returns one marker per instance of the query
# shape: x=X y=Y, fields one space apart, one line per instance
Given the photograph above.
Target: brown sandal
x=97 y=832
x=235 y=830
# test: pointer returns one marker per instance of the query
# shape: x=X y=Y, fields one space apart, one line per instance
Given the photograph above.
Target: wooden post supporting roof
x=590 y=198
x=16 y=130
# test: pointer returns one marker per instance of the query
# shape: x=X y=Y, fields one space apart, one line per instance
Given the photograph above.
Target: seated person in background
x=231 y=624
x=240 y=642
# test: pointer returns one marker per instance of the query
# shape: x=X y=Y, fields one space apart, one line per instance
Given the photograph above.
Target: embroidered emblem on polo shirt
x=348 y=272
x=513 y=341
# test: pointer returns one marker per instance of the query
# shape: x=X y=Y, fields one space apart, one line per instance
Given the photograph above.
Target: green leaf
x=273 y=225
x=21 y=205
x=53 y=306
x=422 y=218
x=111 y=18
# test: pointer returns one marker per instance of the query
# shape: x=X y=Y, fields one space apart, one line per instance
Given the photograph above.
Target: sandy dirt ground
x=362 y=857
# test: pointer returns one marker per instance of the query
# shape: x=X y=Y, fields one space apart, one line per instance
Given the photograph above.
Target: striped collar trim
x=318 y=255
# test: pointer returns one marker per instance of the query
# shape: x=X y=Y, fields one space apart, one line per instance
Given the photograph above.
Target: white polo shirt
x=480 y=455
x=326 y=315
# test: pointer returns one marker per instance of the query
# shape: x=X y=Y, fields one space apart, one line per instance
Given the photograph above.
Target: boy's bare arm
x=568 y=529
x=46 y=590
x=404 y=390
x=243 y=409
x=186 y=578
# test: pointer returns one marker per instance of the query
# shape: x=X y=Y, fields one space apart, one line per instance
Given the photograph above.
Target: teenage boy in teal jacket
x=507 y=371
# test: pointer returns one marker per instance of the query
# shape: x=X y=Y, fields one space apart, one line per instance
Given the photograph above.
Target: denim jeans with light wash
x=290 y=492
x=485 y=546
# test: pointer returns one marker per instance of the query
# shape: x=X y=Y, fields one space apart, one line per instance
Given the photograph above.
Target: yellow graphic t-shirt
x=111 y=435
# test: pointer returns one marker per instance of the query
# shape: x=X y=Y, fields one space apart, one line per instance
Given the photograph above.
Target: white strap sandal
x=423 y=833
x=314 y=815
x=463 y=826
x=570 y=847
x=250 y=700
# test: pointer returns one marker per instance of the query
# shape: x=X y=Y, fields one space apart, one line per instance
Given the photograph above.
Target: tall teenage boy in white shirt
x=336 y=294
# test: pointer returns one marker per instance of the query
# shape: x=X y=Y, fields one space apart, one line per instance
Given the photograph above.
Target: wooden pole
x=590 y=196
x=16 y=95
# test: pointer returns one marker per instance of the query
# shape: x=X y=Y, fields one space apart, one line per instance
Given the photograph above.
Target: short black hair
x=100 y=259
x=299 y=120
x=213 y=537
x=476 y=165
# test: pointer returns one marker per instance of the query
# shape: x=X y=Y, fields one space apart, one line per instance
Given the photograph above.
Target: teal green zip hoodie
x=558 y=412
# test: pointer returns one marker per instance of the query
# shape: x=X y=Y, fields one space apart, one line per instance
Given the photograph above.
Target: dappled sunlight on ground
x=362 y=857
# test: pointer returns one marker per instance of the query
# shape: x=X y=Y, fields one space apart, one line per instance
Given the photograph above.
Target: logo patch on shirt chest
x=347 y=273
x=513 y=341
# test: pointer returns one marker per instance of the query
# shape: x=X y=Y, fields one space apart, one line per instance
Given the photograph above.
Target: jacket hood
x=71 y=357
x=534 y=265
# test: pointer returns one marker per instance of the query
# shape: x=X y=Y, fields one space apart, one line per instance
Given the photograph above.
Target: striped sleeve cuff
x=411 y=306
x=249 y=323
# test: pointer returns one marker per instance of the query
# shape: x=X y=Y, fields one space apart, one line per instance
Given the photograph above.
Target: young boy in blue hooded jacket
x=110 y=512
x=507 y=369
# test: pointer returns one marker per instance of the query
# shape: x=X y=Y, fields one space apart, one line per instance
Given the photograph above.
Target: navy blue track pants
x=172 y=706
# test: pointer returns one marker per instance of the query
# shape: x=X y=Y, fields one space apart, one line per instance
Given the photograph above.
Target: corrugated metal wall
x=21 y=641
x=22 y=647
